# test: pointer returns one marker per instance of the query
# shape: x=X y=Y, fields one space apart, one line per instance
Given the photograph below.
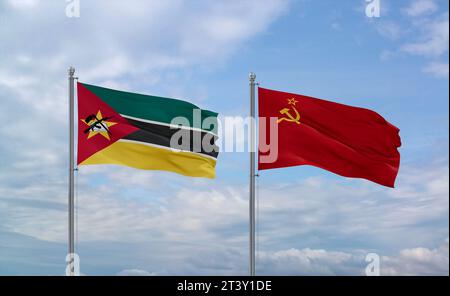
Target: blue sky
x=142 y=223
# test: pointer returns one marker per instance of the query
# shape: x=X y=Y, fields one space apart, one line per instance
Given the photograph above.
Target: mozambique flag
x=145 y=132
x=348 y=141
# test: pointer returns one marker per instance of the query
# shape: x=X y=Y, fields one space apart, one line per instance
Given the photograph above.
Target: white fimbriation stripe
x=168 y=124
x=167 y=148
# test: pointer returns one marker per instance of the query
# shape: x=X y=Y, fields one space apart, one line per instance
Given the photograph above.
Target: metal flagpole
x=71 y=173
x=252 y=78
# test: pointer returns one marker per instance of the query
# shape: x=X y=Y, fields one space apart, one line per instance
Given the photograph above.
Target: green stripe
x=151 y=107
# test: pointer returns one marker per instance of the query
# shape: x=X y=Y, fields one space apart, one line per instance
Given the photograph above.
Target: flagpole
x=71 y=172
x=252 y=78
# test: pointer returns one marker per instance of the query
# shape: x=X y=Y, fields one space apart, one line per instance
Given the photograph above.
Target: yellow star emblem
x=97 y=124
x=292 y=101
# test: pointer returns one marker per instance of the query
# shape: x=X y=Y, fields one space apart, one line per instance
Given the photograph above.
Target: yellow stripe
x=146 y=157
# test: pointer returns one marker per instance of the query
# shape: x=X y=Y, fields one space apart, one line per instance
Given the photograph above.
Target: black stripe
x=161 y=135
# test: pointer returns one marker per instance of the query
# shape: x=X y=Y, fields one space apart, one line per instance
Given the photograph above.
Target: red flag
x=348 y=141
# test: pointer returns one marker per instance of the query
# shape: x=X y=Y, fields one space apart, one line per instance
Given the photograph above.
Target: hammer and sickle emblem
x=287 y=112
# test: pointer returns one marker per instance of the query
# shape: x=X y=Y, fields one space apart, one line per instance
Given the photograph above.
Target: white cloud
x=437 y=69
x=416 y=261
x=159 y=34
x=434 y=41
x=421 y=7
x=23 y=4
x=428 y=34
x=307 y=262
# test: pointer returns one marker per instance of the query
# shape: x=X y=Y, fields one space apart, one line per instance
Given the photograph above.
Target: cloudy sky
x=132 y=222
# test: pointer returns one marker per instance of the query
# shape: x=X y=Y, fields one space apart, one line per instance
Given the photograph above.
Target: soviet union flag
x=348 y=141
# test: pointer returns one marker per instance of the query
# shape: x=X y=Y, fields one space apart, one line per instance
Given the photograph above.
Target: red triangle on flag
x=99 y=125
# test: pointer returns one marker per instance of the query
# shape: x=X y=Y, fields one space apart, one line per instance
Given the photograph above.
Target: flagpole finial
x=252 y=76
x=71 y=71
